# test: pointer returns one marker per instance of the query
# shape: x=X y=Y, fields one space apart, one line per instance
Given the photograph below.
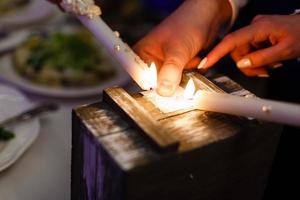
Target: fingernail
x=277 y=65
x=166 y=88
x=244 y=63
x=202 y=63
x=263 y=76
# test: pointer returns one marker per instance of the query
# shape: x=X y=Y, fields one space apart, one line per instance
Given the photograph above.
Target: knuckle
x=229 y=38
x=288 y=50
x=172 y=61
x=176 y=60
x=172 y=65
x=258 y=17
x=267 y=21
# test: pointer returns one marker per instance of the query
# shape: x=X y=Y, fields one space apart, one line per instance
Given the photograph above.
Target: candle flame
x=152 y=76
x=189 y=90
x=198 y=94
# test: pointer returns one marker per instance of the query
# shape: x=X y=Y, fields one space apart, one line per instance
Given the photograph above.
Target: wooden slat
x=138 y=116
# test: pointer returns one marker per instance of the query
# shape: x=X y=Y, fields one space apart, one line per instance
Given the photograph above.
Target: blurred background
x=43 y=57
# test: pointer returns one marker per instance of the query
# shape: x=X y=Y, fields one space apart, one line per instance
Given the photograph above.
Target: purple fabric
x=101 y=174
x=90 y=169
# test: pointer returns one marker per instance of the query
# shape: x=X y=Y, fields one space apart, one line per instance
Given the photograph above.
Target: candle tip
x=189 y=90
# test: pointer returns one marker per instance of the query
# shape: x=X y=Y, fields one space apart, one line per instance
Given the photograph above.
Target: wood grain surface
x=140 y=117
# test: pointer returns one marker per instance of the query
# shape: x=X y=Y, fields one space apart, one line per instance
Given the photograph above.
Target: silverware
x=29 y=114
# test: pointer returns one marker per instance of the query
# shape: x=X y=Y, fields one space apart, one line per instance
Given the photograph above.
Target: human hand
x=267 y=41
x=174 y=44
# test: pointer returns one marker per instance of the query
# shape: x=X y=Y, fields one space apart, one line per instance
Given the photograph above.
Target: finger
x=276 y=65
x=263 y=57
x=144 y=50
x=193 y=63
x=239 y=52
x=258 y=17
x=232 y=41
x=255 y=72
x=170 y=73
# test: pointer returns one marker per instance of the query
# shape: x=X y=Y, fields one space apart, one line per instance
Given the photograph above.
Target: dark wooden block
x=120 y=100
x=218 y=157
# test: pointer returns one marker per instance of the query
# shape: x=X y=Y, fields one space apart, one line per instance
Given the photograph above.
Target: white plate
x=8 y=74
x=12 y=103
x=13 y=40
x=36 y=11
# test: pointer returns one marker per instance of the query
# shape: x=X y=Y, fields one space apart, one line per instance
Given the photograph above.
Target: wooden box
x=191 y=154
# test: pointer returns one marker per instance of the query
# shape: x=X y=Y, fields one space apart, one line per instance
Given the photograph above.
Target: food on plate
x=62 y=59
x=7 y=6
x=6 y=135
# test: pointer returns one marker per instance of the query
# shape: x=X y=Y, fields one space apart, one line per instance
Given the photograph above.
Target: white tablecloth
x=44 y=171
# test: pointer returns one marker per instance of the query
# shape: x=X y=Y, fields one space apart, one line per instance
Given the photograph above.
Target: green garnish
x=6 y=135
x=61 y=51
x=62 y=59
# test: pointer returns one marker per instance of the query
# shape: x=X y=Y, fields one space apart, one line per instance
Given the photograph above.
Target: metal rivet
x=117 y=47
x=117 y=33
x=267 y=109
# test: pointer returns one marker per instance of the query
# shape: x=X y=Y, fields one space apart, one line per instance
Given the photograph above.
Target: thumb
x=262 y=57
x=170 y=73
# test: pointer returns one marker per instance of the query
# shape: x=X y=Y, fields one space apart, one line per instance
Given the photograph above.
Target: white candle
x=272 y=111
x=136 y=68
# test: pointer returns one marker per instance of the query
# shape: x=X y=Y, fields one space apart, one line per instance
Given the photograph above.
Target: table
x=44 y=171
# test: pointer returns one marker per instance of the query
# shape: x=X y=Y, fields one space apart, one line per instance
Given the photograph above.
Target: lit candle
x=182 y=99
x=272 y=111
x=189 y=90
x=152 y=76
x=88 y=13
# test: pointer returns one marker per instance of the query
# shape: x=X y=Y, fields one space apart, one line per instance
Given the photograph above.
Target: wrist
x=225 y=11
x=218 y=13
x=223 y=16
